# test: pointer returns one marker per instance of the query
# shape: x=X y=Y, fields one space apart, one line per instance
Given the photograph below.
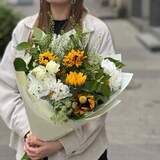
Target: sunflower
x=85 y=102
x=74 y=58
x=45 y=57
x=75 y=79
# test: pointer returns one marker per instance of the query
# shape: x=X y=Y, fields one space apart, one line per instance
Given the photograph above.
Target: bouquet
x=63 y=84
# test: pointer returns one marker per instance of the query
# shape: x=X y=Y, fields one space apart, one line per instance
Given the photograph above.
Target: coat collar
x=87 y=23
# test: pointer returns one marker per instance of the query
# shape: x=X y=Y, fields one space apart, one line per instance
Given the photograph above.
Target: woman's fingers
x=34 y=141
x=32 y=152
x=36 y=149
x=35 y=152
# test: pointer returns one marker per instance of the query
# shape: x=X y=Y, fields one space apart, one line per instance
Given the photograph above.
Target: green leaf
x=35 y=53
x=105 y=89
x=37 y=34
x=117 y=63
x=99 y=74
x=20 y=65
x=23 y=46
x=25 y=157
x=45 y=42
x=30 y=65
x=100 y=99
x=91 y=86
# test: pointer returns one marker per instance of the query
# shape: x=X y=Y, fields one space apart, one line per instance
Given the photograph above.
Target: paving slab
x=150 y=41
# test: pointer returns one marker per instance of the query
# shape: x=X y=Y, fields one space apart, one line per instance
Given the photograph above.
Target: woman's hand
x=37 y=149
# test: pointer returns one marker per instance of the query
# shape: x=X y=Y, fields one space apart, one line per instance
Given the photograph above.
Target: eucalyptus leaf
x=38 y=34
x=20 y=65
x=23 y=46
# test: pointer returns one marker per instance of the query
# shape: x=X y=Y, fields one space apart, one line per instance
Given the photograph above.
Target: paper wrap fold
x=39 y=112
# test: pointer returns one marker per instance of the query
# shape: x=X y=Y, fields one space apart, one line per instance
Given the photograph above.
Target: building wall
x=155 y=13
x=145 y=10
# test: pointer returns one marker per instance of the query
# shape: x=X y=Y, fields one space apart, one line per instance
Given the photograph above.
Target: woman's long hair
x=76 y=13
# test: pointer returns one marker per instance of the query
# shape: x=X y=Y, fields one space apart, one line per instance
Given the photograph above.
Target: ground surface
x=133 y=127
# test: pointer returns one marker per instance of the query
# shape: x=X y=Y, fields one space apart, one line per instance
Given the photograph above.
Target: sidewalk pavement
x=133 y=127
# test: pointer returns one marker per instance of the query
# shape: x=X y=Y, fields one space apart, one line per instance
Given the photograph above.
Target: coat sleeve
x=79 y=140
x=12 y=108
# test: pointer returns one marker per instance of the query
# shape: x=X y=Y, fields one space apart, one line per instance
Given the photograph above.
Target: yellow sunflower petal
x=45 y=57
x=76 y=79
x=74 y=58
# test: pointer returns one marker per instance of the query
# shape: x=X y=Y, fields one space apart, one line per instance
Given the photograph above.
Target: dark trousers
x=103 y=156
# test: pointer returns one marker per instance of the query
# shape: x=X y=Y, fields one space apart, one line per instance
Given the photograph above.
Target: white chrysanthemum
x=52 y=67
x=36 y=87
x=48 y=86
x=60 y=91
x=115 y=80
x=108 y=66
x=39 y=72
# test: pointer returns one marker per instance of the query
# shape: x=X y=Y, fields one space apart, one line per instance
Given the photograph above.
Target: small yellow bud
x=82 y=99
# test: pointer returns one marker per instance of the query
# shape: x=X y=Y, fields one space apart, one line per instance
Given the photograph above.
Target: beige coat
x=83 y=144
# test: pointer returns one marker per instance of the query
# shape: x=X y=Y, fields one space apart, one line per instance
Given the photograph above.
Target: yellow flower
x=74 y=58
x=80 y=111
x=76 y=79
x=91 y=101
x=82 y=99
x=86 y=102
x=45 y=57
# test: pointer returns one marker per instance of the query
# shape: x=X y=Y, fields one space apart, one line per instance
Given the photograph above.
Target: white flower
x=39 y=72
x=108 y=66
x=59 y=43
x=52 y=67
x=49 y=85
x=60 y=91
x=115 y=74
x=36 y=87
x=115 y=80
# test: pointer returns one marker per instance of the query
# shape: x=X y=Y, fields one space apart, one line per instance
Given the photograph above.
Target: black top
x=58 y=26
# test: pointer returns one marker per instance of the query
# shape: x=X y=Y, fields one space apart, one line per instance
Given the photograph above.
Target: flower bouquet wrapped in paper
x=64 y=85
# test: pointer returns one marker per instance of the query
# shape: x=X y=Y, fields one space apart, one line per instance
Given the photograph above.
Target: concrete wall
x=155 y=13
x=145 y=10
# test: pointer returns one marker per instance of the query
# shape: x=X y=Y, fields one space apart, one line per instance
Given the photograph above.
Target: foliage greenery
x=8 y=19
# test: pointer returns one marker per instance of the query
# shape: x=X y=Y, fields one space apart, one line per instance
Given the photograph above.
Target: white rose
x=52 y=67
x=39 y=72
x=115 y=80
x=108 y=66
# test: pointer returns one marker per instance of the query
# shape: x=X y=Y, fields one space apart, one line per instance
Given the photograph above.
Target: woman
x=89 y=141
